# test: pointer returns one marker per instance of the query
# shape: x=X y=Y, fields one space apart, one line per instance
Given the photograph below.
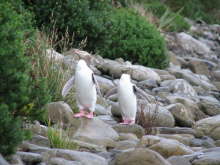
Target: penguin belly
x=127 y=102
x=85 y=91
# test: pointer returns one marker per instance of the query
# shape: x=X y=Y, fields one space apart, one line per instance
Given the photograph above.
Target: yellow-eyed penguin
x=86 y=85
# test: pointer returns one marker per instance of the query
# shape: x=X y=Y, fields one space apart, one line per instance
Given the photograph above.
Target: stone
x=179 y=86
x=140 y=156
x=205 y=142
x=30 y=158
x=182 y=138
x=3 y=161
x=101 y=110
x=104 y=84
x=158 y=115
x=209 y=105
x=51 y=54
x=115 y=109
x=217 y=75
x=183 y=116
x=88 y=146
x=60 y=161
x=59 y=112
x=150 y=84
x=178 y=160
x=107 y=119
x=15 y=160
x=166 y=147
x=85 y=158
x=209 y=126
x=126 y=144
x=26 y=146
x=40 y=140
x=127 y=136
x=96 y=131
x=134 y=129
x=39 y=129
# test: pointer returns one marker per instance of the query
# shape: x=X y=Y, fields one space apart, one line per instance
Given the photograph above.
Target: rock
x=26 y=146
x=101 y=110
x=60 y=161
x=134 y=129
x=209 y=105
x=140 y=156
x=30 y=158
x=127 y=136
x=88 y=146
x=51 y=54
x=183 y=117
x=192 y=78
x=175 y=130
x=191 y=45
x=182 y=138
x=3 y=161
x=189 y=104
x=126 y=144
x=107 y=119
x=158 y=115
x=137 y=72
x=150 y=84
x=180 y=86
x=166 y=147
x=209 y=157
x=201 y=66
x=209 y=126
x=217 y=143
x=217 y=75
x=205 y=142
x=97 y=132
x=115 y=109
x=39 y=129
x=40 y=140
x=15 y=160
x=60 y=112
x=178 y=160
x=164 y=75
x=85 y=158
x=104 y=84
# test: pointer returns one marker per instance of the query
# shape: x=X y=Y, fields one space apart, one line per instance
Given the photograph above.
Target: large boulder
x=209 y=105
x=209 y=126
x=140 y=156
x=183 y=116
x=96 y=131
x=166 y=147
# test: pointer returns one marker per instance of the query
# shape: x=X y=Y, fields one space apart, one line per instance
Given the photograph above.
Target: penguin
x=127 y=97
x=86 y=89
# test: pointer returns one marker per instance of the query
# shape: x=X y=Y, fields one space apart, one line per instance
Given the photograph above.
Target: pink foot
x=89 y=115
x=80 y=114
x=127 y=122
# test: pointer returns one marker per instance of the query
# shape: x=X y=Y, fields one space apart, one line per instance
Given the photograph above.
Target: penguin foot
x=127 y=122
x=89 y=115
x=80 y=114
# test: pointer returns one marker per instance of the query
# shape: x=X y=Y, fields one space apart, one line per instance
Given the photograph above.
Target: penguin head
x=125 y=77
x=81 y=65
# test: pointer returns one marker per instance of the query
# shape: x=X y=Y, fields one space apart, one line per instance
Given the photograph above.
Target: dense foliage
x=131 y=37
x=20 y=95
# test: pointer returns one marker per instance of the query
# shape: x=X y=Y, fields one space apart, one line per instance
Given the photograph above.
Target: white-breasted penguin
x=86 y=89
x=127 y=99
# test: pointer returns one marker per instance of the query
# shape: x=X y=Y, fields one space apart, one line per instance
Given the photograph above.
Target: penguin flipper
x=97 y=85
x=68 y=86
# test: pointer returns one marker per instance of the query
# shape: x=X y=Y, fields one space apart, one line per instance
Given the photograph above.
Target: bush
x=79 y=18
x=131 y=37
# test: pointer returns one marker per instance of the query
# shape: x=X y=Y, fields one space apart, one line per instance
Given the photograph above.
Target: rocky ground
x=183 y=104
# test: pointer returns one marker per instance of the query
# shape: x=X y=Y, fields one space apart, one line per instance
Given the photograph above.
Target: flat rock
x=40 y=140
x=209 y=105
x=178 y=160
x=29 y=157
x=61 y=161
x=140 y=156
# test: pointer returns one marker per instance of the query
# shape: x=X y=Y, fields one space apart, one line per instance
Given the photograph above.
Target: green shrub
x=131 y=37
x=83 y=19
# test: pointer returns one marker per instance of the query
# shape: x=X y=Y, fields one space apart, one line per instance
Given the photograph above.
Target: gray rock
x=39 y=129
x=40 y=140
x=104 y=84
x=205 y=142
x=134 y=129
x=183 y=117
x=95 y=131
x=107 y=119
x=166 y=147
x=89 y=147
x=209 y=105
x=158 y=115
x=209 y=126
x=60 y=161
x=140 y=156
x=3 y=161
x=127 y=136
x=15 y=160
x=126 y=144
x=101 y=110
x=150 y=84
x=29 y=157
x=217 y=75
x=178 y=160
x=85 y=158
x=217 y=143
x=60 y=112
x=26 y=146
x=179 y=86
x=182 y=138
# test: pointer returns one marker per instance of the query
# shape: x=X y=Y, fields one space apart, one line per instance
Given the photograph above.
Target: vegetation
x=131 y=37
x=59 y=138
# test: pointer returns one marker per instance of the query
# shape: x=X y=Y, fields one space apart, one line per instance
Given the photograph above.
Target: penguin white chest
x=85 y=89
x=127 y=100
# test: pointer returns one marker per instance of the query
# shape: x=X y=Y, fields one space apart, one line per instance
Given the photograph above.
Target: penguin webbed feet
x=83 y=113
x=128 y=122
